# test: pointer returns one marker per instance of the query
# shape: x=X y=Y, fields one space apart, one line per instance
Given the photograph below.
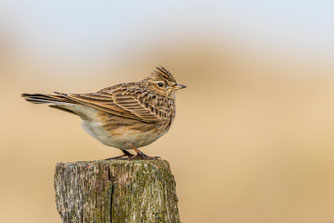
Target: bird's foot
x=142 y=156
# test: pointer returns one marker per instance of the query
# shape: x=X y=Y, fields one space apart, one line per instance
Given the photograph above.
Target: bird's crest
x=164 y=73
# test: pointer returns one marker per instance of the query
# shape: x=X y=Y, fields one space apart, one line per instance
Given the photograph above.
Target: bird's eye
x=160 y=84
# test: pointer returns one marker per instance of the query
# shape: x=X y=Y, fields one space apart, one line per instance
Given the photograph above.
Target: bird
x=124 y=116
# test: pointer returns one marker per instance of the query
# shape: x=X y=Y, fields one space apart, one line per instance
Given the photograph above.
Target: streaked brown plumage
x=125 y=116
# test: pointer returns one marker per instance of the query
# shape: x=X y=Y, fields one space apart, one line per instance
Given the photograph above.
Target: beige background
x=252 y=140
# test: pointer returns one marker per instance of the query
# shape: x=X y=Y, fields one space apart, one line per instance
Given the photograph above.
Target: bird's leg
x=141 y=155
x=126 y=155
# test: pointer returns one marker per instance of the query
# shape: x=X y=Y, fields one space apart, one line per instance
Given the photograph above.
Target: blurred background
x=253 y=136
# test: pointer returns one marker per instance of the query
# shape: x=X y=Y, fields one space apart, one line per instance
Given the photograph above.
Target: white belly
x=122 y=139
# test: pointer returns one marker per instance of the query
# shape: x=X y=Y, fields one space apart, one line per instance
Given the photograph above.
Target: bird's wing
x=121 y=101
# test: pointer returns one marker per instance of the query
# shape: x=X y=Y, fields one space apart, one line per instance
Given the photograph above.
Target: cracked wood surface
x=116 y=191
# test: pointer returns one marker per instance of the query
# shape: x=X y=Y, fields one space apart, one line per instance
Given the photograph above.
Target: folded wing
x=121 y=101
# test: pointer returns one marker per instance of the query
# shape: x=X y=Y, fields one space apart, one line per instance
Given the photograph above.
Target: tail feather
x=62 y=109
x=45 y=98
x=62 y=102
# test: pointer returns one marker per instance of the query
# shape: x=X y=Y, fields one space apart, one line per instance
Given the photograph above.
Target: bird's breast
x=121 y=136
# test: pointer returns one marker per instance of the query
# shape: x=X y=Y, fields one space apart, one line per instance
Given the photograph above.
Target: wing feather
x=122 y=101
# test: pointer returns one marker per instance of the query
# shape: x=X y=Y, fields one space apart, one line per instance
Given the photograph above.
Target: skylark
x=124 y=116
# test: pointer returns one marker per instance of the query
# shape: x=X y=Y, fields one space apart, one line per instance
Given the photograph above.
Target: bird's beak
x=179 y=86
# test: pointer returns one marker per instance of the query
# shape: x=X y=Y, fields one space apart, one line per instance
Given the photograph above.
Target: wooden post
x=116 y=191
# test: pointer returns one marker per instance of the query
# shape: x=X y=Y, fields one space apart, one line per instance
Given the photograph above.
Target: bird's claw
x=142 y=156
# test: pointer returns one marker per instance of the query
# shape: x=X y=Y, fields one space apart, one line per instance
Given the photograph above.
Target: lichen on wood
x=116 y=191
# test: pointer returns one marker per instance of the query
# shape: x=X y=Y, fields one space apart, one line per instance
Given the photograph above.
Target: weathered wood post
x=117 y=191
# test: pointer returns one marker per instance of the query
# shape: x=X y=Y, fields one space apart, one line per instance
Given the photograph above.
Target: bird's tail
x=58 y=100
x=47 y=98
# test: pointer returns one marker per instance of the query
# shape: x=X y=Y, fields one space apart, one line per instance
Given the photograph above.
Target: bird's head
x=162 y=82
